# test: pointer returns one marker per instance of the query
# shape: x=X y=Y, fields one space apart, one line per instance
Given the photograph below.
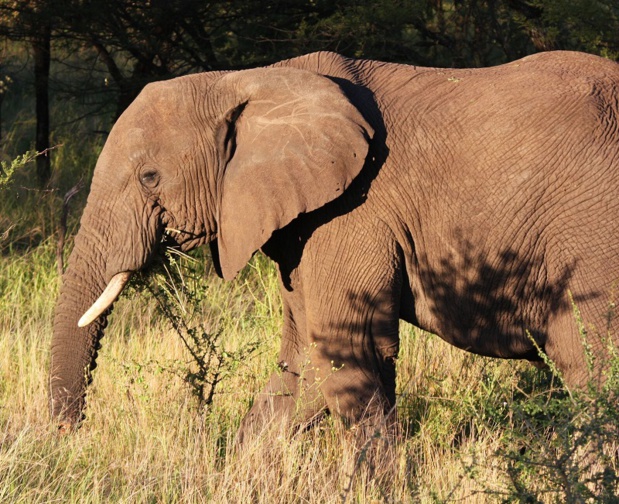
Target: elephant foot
x=254 y=427
x=285 y=407
x=277 y=415
x=378 y=424
x=274 y=416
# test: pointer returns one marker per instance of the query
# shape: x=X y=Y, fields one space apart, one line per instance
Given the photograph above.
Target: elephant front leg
x=353 y=328
x=354 y=359
x=340 y=339
x=292 y=397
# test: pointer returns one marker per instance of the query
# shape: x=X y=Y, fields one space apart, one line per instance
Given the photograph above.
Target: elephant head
x=226 y=158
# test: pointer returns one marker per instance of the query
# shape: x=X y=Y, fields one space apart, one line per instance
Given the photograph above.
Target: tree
x=5 y=82
x=32 y=22
x=583 y=25
x=41 y=49
x=138 y=41
x=143 y=41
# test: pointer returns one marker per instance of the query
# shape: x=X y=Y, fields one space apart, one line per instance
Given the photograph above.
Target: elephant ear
x=293 y=142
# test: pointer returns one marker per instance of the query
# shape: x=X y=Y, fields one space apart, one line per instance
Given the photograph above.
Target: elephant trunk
x=74 y=349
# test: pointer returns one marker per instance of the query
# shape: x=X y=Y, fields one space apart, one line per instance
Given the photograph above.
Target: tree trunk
x=1 y=99
x=41 y=46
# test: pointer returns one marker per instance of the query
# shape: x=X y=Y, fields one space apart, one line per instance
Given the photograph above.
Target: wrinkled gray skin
x=471 y=203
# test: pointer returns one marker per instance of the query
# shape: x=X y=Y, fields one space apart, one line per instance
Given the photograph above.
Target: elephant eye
x=149 y=178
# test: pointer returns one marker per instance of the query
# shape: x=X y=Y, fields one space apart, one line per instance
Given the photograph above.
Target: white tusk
x=111 y=292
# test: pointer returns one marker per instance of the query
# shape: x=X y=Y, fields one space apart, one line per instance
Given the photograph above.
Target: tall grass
x=467 y=421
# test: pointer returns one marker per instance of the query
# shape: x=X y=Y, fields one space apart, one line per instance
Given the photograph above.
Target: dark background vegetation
x=99 y=54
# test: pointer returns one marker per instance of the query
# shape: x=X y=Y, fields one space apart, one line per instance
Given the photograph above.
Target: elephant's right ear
x=292 y=142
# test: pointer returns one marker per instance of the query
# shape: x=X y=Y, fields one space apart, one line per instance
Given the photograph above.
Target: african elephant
x=476 y=204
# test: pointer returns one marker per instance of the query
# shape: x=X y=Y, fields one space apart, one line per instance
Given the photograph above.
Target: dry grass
x=144 y=440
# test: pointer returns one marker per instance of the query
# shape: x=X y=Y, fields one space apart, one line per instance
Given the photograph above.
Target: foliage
x=7 y=170
x=584 y=25
x=124 y=44
x=563 y=447
x=179 y=289
x=560 y=445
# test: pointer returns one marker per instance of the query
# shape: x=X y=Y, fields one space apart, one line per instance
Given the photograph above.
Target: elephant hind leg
x=571 y=339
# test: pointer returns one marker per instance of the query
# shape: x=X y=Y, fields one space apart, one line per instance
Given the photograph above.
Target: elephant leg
x=352 y=323
x=357 y=376
x=292 y=395
x=566 y=347
x=340 y=337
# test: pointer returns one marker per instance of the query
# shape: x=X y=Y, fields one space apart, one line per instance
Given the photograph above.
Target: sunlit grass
x=145 y=440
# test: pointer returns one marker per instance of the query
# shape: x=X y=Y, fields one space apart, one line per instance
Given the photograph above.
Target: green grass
x=465 y=418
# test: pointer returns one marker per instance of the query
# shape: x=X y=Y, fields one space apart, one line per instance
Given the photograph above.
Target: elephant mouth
x=184 y=240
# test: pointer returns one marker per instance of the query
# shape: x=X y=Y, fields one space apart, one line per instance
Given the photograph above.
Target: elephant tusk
x=111 y=292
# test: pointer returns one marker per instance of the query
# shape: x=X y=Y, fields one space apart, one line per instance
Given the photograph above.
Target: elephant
x=479 y=205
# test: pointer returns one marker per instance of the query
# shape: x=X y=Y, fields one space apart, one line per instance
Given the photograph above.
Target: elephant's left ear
x=294 y=142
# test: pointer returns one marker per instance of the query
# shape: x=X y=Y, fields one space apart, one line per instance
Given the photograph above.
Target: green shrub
x=7 y=170
x=179 y=287
x=560 y=444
